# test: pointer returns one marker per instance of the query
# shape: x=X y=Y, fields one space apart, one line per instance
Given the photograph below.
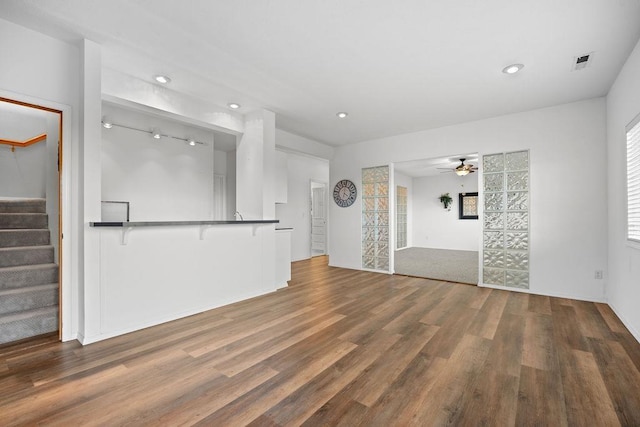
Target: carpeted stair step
x=29 y=298
x=12 y=238
x=26 y=255
x=23 y=220
x=28 y=275
x=23 y=206
x=26 y=324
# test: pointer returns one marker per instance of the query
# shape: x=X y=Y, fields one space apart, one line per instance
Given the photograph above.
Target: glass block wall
x=401 y=217
x=375 y=218
x=506 y=219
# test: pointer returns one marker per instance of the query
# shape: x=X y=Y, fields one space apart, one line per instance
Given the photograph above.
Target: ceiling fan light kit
x=462 y=169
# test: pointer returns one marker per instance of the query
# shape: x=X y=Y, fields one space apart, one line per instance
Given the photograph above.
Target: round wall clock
x=344 y=193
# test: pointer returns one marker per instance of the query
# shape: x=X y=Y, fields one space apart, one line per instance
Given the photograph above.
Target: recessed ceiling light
x=233 y=105
x=512 y=69
x=162 y=79
x=342 y=114
x=192 y=142
x=106 y=123
x=156 y=134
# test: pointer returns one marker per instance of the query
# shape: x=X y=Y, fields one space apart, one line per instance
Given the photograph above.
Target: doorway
x=31 y=153
x=318 y=218
x=433 y=240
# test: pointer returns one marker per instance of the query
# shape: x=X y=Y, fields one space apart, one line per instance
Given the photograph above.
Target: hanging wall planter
x=446 y=200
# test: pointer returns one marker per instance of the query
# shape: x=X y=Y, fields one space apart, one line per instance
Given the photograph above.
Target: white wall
x=163 y=179
x=289 y=142
x=22 y=171
x=220 y=162
x=435 y=227
x=296 y=212
x=56 y=85
x=623 y=104
x=231 y=184
x=568 y=209
x=407 y=182
x=224 y=164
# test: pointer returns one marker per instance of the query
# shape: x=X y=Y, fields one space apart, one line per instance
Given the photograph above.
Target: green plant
x=446 y=200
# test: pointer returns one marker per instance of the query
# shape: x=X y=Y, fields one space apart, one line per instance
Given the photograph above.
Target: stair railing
x=25 y=143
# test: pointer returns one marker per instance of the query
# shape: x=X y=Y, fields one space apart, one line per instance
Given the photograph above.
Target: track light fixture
x=155 y=133
x=162 y=79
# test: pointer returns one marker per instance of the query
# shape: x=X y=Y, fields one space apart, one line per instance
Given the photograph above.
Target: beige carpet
x=439 y=264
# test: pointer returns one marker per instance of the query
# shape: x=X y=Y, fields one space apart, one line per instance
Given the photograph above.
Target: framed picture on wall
x=468 y=205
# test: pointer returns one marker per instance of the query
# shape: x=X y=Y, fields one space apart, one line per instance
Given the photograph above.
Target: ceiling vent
x=581 y=62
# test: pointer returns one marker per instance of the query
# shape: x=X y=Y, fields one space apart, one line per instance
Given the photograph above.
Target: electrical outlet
x=598 y=274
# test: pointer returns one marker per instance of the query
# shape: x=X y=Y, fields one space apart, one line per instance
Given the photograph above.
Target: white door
x=318 y=220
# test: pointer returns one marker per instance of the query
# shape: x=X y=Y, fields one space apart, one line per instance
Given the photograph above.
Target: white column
x=255 y=180
x=90 y=170
x=255 y=167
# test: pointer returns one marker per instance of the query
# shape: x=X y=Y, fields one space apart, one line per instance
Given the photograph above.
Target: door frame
x=64 y=200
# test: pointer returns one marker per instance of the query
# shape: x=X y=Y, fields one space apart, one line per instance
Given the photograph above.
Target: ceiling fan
x=462 y=169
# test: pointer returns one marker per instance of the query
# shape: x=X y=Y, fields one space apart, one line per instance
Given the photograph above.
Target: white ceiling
x=396 y=67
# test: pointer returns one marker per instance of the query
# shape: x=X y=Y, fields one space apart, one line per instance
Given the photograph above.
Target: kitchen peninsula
x=164 y=262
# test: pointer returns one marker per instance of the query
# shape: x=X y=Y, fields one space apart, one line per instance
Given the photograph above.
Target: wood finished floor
x=342 y=347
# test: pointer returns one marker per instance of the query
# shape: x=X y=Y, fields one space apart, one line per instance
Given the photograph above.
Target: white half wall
x=164 y=273
x=435 y=227
x=623 y=104
x=296 y=212
x=568 y=210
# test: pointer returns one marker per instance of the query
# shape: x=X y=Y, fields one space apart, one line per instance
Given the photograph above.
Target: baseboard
x=625 y=322
x=81 y=339
x=345 y=266
x=545 y=294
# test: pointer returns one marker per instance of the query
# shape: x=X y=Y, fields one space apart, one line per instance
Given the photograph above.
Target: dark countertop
x=170 y=223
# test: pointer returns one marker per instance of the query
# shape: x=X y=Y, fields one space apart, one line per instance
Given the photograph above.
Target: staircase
x=28 y=273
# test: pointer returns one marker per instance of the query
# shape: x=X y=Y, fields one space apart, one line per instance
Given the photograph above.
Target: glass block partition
x=375 y=218
x=506 y=219
x=401 y=217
